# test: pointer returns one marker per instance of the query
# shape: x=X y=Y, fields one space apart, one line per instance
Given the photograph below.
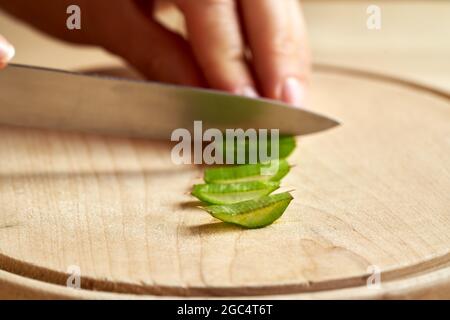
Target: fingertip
x=218 y=45
x=279 y=46
x=7 y=52
x=247 y=91
x=292 y=91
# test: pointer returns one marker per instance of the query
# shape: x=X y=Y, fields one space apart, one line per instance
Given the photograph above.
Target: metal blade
x=43 y=98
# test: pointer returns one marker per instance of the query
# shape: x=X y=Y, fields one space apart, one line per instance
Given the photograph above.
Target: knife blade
x=45 y=98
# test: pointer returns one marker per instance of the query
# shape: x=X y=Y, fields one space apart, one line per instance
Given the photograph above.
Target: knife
x=44 y=98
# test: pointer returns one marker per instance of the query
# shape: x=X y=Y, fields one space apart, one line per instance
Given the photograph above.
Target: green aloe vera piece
x=252 y=214
x=234 y=192
x=246 y=173
x=286 y=146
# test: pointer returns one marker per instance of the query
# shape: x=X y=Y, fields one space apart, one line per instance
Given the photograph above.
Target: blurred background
x=413 y=42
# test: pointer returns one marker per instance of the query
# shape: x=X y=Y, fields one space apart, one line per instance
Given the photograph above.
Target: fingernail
x=293 y=92
x=7 y=52
x=248 y=92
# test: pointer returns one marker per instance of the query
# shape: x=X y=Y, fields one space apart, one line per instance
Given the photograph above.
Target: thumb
x=6 y=52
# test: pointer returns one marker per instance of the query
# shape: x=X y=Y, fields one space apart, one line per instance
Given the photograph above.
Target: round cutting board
x=370 y=218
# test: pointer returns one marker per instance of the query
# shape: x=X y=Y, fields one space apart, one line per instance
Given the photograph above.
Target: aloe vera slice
x=233 y=193
x=246 y=173
x=252 y=214
x=286 y=145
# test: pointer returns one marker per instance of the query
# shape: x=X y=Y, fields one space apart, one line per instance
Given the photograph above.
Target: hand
x=220 y=32
x=6 y=52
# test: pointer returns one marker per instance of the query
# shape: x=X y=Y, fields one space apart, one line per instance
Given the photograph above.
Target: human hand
x=221 y=33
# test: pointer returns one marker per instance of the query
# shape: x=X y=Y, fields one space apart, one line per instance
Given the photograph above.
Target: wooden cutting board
x=373 y=194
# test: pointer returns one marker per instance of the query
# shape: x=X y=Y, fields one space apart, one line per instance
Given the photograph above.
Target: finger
x=215 y=35
x=277 y=39
x=156 y=52
x=7 y=52
x=122 y=28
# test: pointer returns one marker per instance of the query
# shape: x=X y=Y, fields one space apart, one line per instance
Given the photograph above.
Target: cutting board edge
x=434 y=285
x=44 y=275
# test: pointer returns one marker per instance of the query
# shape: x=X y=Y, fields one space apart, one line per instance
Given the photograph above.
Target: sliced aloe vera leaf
x=248 y=172
x=286 y=145
x=234 y=192
x=252 y=214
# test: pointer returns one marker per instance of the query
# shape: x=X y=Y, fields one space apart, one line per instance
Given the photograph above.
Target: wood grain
x=374 y=192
